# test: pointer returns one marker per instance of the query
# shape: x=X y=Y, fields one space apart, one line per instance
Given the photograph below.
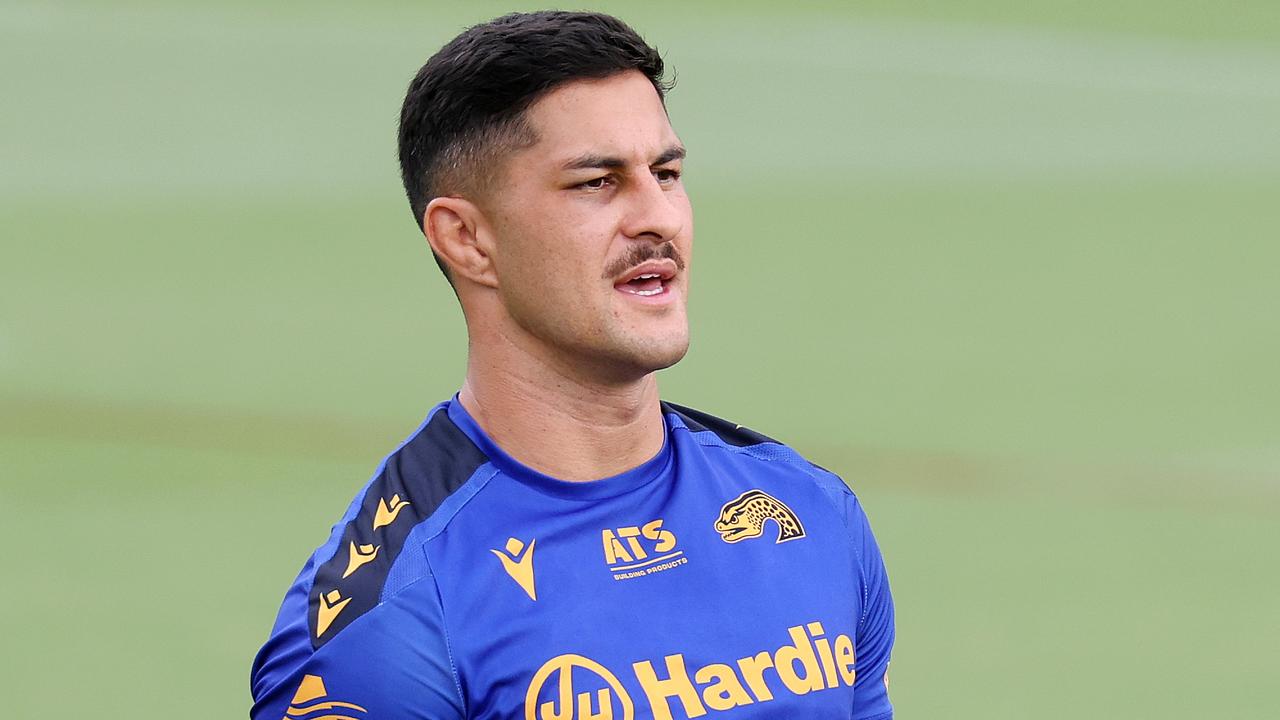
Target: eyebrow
x=593 y=160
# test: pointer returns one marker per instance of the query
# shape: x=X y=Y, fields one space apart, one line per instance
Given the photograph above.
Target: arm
x=874 y=642
x=392 y=663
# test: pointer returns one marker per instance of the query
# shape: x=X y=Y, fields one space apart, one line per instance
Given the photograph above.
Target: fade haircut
x=465 y=109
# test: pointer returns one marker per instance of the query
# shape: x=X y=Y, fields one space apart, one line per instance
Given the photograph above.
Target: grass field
x=1011 y=270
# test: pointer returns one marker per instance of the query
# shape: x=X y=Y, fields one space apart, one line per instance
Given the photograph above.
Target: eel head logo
x=744 y=517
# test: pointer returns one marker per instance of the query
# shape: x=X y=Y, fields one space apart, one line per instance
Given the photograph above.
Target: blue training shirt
x=725 y=577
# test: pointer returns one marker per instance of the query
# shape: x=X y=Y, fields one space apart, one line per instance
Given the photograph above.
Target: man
x=555 y=542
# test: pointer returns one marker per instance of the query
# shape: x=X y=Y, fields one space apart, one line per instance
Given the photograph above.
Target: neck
x=559 y=422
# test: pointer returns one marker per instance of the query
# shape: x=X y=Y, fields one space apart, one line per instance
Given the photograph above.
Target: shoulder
x=730 y=433
x=414 y=485
x=759 y=461
x=711 y=431
x=344 y=592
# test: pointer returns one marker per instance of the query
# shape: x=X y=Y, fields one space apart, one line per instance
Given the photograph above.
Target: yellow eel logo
x=565 y=704
x=583 y=689
x=311 y=699
x=387 y=513
x=745 y=516
x=519 y=567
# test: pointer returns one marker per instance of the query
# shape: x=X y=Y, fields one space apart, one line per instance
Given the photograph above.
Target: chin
x=630 y=358
x=654 y=356
x=665 y=361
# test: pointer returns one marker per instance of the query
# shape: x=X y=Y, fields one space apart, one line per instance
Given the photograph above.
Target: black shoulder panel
x=731 y=433
x=416 y=479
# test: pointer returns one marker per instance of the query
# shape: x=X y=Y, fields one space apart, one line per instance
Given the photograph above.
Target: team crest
x=745 y=517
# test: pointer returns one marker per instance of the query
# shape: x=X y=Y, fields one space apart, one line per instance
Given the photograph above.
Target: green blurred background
x=1011 y=268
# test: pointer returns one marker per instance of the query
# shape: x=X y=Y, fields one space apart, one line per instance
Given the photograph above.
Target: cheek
x=552 y=255
x=549 y=275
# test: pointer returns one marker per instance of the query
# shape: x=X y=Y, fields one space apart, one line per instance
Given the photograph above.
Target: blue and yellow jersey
x=726 y=577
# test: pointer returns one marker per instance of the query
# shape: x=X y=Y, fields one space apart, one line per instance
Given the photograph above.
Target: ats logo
x=636 y=551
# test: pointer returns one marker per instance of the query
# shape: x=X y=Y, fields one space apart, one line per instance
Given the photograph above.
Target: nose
x=655 y=213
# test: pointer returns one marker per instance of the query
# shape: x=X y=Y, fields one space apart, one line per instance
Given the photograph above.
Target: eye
x=598 y=183
x=667 y=176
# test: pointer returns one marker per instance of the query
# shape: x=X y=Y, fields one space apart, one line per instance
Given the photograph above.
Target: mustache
x=642 y=253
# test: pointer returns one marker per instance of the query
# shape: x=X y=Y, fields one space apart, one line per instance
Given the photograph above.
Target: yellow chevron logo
x=331 y=604
x=358 y=556
x=519 y=566
x=387 y=512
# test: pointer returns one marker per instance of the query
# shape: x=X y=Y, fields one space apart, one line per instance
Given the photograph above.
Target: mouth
x=730 y=533
x=650 y=280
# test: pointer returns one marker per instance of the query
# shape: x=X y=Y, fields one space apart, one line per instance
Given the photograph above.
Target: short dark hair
x=467 y=104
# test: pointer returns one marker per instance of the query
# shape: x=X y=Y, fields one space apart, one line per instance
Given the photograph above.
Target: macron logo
x=518 y=562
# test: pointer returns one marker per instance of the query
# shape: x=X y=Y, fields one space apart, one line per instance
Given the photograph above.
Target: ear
x=457 y=231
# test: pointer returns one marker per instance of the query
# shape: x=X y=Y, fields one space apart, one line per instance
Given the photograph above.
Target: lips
x=648 y=279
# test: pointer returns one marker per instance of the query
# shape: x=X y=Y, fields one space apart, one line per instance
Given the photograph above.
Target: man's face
x=594 y=231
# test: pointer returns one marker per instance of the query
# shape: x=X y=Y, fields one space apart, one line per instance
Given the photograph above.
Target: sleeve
x=874 y=642
x=391 y=663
